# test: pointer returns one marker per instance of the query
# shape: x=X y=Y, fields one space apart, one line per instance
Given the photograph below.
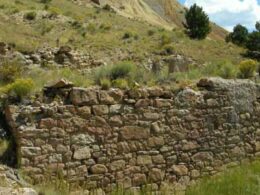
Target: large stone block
x=134 y=133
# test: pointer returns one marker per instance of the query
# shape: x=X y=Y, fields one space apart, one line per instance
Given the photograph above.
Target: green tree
x=257 y=26
x=197 y=22
x=239 y=36
x=253 y=43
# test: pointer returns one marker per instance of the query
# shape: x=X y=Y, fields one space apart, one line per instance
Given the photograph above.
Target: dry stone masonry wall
x=138 y=137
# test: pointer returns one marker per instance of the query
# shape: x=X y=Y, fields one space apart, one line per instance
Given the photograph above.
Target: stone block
x=134 y=133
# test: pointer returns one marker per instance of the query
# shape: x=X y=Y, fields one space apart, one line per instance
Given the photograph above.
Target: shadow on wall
x=7 y=145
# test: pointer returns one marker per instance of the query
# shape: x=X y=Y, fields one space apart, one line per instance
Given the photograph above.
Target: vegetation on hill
x=251 y=41
x=99 y=32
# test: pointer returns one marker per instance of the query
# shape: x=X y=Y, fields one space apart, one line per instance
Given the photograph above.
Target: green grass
x=244 y=180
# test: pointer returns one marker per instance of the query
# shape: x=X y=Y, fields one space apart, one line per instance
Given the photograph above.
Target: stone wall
x=137 y=137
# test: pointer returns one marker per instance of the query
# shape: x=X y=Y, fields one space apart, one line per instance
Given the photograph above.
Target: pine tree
x=197 y=22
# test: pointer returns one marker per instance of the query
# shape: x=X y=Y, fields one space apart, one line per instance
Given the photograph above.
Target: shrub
x=30 y=15
x=168 y=49
x=105 y=84
x=227 y=71
x=150 y=32
x=9 y=71
x=20 y=88
x=120 y=83
x=165 y=39
x=100 y=73
x=107 y=7
x=127 y=35
x=121 y=70
x=247 y=69
x=197 y=22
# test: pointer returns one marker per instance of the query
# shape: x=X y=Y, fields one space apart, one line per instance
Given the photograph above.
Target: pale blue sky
x=228 y=13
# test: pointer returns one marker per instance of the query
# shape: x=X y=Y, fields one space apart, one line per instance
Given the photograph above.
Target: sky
x=228 y=13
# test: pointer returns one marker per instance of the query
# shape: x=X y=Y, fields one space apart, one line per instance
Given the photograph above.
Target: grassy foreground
x=244 y=180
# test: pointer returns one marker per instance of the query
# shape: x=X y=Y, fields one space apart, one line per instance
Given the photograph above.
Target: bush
x=247 y=69
x=197 y=22
x=128 y=35
x=20 y=88
x=150 y=32
x=9 y=71
x=30 y=16
x=165 y=39
x=121 y=70
x=120 y=83
x=227 y=71
x=100 y=73
x=168 y=49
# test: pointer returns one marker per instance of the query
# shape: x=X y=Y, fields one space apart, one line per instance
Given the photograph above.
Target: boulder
x=63 y=83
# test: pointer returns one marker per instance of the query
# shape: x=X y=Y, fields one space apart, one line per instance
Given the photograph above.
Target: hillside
x=168 y=14
x=105 y=35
